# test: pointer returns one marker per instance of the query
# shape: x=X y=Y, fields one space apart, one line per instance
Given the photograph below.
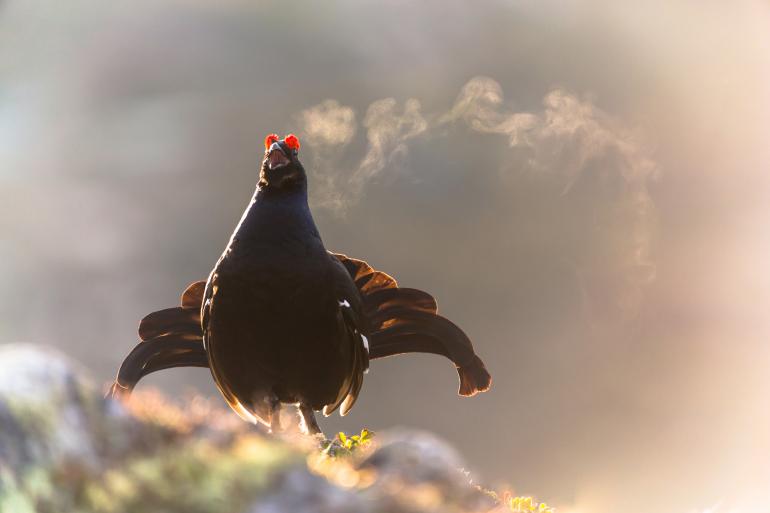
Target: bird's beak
x=276 y=158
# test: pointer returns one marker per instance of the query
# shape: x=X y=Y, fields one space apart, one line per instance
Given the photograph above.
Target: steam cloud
x=327 y=127
x=565 y=138
x=569 y=140
x=387 y=133
x=328 y=123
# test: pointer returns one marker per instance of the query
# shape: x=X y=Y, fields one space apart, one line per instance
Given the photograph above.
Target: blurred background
x=583 y=185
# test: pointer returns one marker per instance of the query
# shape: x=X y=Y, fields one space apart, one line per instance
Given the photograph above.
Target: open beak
x=276 y=158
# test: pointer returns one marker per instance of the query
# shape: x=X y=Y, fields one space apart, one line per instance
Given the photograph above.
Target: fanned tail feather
x=404 y=320
x=163 y=352
x=381 y=301
x=474 y=378
x=366 y=278
x=175 y=320
x=192 y=297
x=417 y=332
x=184 y=320
x=170 y=338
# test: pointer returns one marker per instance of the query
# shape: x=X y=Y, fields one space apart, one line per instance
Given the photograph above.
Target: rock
x=417 y=457
x=299 y=491
x=49 y=410
x=418 y=471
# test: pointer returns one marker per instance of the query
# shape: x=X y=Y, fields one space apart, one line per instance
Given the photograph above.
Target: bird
x=281 y=320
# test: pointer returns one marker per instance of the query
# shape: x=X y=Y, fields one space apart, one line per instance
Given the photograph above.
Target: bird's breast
x=289 y=295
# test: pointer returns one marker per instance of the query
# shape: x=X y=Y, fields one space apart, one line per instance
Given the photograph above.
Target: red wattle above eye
x=269 y=140
x=292 y=142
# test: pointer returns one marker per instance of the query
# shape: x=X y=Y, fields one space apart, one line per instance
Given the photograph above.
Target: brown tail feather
x=182 y=320
x=421 y=332
x=170 y=338
x=402 y=320
x=399 y=297
x=192 y=297
x=474 y=378
x=367 y=278
x=163 y=352
x=169 y=320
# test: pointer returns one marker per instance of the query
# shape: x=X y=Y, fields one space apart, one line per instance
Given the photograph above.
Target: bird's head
x=281 y=168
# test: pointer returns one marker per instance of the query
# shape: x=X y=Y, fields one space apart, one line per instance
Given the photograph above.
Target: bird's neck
x=275 y=216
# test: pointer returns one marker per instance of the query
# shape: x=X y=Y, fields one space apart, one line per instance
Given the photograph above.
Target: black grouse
x=283 y=320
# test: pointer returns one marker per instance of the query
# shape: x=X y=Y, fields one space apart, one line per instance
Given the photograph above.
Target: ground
x=65 y=448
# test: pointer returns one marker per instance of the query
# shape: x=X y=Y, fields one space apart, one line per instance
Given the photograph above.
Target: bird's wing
x=350 y=321
x=403 y=320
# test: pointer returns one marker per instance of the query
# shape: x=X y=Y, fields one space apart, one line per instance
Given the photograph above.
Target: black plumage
x=283 y=320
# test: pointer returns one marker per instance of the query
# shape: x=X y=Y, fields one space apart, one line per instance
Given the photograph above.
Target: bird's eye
x=292 y=142
x=269 y=140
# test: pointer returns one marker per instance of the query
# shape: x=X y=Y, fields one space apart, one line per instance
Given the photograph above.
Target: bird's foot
x=275 y=416
x=308 y=424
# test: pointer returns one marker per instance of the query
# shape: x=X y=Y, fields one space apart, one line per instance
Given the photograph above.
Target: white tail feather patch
x=366 y=346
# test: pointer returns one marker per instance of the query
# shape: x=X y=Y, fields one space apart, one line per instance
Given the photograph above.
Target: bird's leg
x=275 y=414
x=308 y=424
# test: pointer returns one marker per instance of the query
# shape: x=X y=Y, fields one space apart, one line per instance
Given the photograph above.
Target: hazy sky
x=583 y=185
